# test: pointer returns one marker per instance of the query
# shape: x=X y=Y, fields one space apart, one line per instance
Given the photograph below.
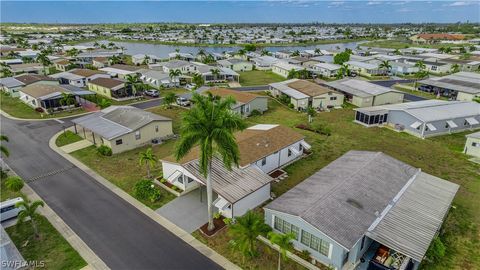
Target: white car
x=183 y=102
x=190 y=86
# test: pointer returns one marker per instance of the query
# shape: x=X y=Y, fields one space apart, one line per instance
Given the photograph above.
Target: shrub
x=39 y=109
x=217 y=215
x=146 y=190
x=290 y=106
x=163 y=180
x=255 y=113
x=305 y=254
x=14 y=183
x=104 y=150
x=322 y=128
x=3 y=173
x=284 y=99
x=436 y=250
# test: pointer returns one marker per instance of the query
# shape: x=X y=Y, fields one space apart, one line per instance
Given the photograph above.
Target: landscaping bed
x=67 y=137
x=219 y=225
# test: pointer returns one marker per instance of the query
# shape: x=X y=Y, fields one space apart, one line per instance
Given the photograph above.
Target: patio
x=390 y=258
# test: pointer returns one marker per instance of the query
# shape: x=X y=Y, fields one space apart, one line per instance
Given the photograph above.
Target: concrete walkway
x=69 y=148
x=187 y=211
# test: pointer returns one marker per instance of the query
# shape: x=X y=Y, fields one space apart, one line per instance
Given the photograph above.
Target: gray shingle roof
x=344 y=198
x=116 y=121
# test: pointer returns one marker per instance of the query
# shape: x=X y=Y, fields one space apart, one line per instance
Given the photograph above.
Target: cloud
x=460 y=3
x=374 y=3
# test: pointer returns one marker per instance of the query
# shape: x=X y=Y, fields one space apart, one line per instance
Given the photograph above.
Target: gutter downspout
x=423 y=130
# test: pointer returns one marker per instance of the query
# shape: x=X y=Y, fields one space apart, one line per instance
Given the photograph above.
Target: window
x=446 y=125
x=156 y=128
x=315 y=243
x=264 y=161
x=137 y=135
x=475 y=144
x=333 y=98
x=180 y=179
x=118 y=142
x=285 y=227
x=289 y=152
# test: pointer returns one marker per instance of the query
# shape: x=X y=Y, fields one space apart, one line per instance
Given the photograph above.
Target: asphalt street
x=122 y=236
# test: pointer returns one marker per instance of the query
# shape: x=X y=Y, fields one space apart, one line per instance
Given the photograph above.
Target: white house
x=264 y=62
x=263 y=149
x=282 y=68
x=139 y=59
x=326 y=69
x=157 y=78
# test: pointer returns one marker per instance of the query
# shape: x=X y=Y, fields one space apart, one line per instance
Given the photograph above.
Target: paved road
x=122 y=236
x=148 y=104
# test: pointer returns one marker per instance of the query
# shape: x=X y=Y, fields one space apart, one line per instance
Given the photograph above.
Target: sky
x=272 y=11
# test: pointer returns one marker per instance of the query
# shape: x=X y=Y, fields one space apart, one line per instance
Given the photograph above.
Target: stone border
x=188 y=238
x=93 y=261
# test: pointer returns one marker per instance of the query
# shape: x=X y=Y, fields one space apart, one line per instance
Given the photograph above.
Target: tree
x=215 y=73
x=14 y=183
x=295 y=53
x=284 y=243
x=341 y=58
x=104 y=103
x=211 y=124
x=344 y=70
x=133 y=81
x=174 y=74
x=72 y=52
x=146 y=60
x=419 y=75
x=421 y=66
x=472 y=48
x=303 y=74
x=44 y=60
x=385 y=65
x=245 y=231
x=265 y=52
x=67 y=99
x=448 y=50
x=28 y=210
x=397 y=52
x=4 y=150
x=6 y=72
x=241 y=52
x=317 y=51
x=441 y=49
x=168 y=99
x=292 y=74
x=455 y=68
x=311 y=113
x=198 y=80
x=148 y=158
x=114 y=59
x=13 y=55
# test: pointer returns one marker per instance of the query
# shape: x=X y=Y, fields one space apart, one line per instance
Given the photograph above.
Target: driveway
x=121 y=235
x=188 y=212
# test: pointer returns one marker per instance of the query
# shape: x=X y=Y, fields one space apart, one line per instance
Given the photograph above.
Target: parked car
x=183 y=102
x=8 y=209
x=190 y=86
x=152 y=93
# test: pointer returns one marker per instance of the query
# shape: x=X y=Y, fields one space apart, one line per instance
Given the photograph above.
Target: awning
x=431 y=127
x=451 y=124
x=174 y=176
x=471 y=121
x=416 y=124
x=221 y=203
x=294 y=151
x=305 y=145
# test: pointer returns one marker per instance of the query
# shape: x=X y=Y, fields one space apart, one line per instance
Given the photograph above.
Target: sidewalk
x=188 y=238
x=69 y=148
x=93 y=261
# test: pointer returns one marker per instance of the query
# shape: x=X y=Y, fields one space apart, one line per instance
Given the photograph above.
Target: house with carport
x=460 y=86
x=365 y=210
x=123 y=128
x=263 y=149
x=110 y=88
x=79 y=77
x=304 y=94
x=246 y=102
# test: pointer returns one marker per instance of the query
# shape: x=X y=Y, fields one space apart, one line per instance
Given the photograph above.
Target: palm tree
x=201 y=53
x=67 y=99
x=296 y=53
x=386 y=65
x=421 y=66
x=317 y=51
x=292 y=74
x=215 y=73
x=174 y=74
x=448 y=50
x=284 y=243
x=72 y=52
x=311 y=113
x=133 y=81
x=13 y=54
x=455 y=68
x=44 y=60
x=241 y=52
x=339 y=74
x=29 y=211
x=3 y=149
x=210 y=123
x=104 y=103
x=198 y=80
x=304 y=74
x=6 y=72
x=114 y=59
x=397 y=52
x=264 y=52
x=168 y=99
x=146 y=59
x=441 y=49
x=345 y=70
x=419 y=75
x=245 y=231
x=148 y=158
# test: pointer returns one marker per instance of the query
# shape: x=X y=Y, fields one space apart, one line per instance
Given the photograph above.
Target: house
x=109 y=87
x=362 y=211
x=121 y=71
x=403 y=68
x=367 y=69
x=62 y=64
x=144 y=59
x=12 y=85
x=304 y=94
x=263 y=149
x=246 y=102
x=423 y=118
x=181 y=56
x=224 y=74
x=365 y=94
x=264 y=62
x=48 y=96
x=236 y=64
x=123 y=128
x=283 y=68
x=79 y=77
x=435 y=38
x=157 y=78
x=326 y=69
x=100 y=62
x=30 y=68
x=472 y=145
x=460 y=85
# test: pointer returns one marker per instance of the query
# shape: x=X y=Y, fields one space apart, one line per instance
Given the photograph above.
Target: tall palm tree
x=241 y=52
x=211 y=124
x=245 y=231
x=296 y=53
x=201 y=53
x=441 y=49
x=44 y=60
x=29 y=211
x=421 y=66
x=67 y=99
x=386 y=65
x=148 y=158
x=284 y=242
x=345 y=70
x=198 y=80
x=448 y=50
x=292 y=74
x=133 y=81
x=317 y=51
x=72 y=52
x=3 y=149
x=168 y=99
x=215 y=73
x=175 y=74
x=146 y=59
x=114 y=59
x=265 y=52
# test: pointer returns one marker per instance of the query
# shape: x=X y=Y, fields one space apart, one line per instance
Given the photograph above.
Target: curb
x=93 y=261
x=5 y=114
x=188 y=238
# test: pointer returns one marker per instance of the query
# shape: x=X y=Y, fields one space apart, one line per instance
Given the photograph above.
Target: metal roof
x=287 y=90
x=10 y=82
x=232 y=185
x=359 y=87
x=413 y=221
x=468 y=82
x=475 y=135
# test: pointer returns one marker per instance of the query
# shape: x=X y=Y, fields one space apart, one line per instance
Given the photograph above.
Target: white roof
x=359 y=88
x=285 y=89
x=328 y=66
x=111 y=70
x=287 y=66
x=362 y=65
x=262 y=127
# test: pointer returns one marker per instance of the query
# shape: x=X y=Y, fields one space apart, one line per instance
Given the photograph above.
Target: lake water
x=162 y=51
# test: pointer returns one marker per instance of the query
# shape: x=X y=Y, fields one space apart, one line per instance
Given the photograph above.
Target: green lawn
x=51 y=249
x=7 y=194
x=67 y=138
x=259 y=77
x=16 y=108
x=176 y=91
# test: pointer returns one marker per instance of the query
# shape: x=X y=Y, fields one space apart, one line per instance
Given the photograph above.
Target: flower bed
x=168 y=186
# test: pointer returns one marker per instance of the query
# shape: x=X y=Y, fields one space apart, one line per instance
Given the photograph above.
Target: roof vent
x=354 y=203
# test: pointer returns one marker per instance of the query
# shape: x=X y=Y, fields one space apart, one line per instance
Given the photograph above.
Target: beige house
x=435 y=38
x=108 y=87
x=472 y=145
x=246 y=102
x=304 y=94
x=123 y=128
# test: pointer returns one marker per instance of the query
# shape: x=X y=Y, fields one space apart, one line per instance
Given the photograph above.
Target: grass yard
x=7 y=194
x=259 y=77
x=51 y=249
x=174 y=113
x=16 y=108
x=67 y=138
x=176 y=91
